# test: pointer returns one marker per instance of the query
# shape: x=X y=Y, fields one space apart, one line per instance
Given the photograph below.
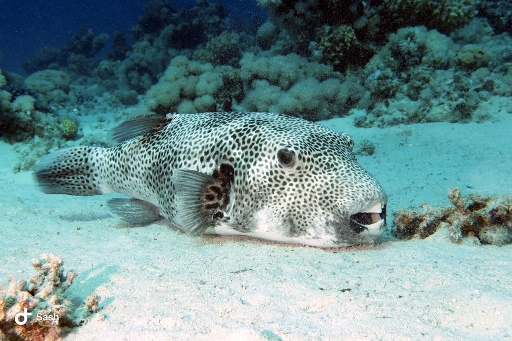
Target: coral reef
x=85 y=43
x=267 y=35
x=182 y=29
x=443 y=15
x=3 y=81
x=486 y=220
x=189 y=86
x=302 y=19
x=52 y=85
x=422 y=75
x=499 y=14
x=39 y=309
x=354 y=28
x=26 y=113
x=292 y=85
x=69 y=128
x=473 y=57
x=43 y=59
x=414 y=78
x=76 y=55
x=158 y=15
x=224 y=49
x=16 y=109
x=340 y=48
x=23 y=119
x=119 y=46
x=162 y=32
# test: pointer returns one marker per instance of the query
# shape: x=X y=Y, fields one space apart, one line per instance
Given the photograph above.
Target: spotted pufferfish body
x=263 y=175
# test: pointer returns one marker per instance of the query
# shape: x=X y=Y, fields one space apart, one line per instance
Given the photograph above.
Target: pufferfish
x=263 y=175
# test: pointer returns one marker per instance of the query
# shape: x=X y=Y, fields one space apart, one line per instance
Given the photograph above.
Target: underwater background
x=423 y=87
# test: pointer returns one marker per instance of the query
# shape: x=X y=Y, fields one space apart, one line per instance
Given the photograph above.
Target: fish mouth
x=371 y=220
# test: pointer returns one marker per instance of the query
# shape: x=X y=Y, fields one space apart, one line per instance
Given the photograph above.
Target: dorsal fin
x=138 y=126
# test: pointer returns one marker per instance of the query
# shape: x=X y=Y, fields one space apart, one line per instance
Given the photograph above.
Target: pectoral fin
x=201 y=200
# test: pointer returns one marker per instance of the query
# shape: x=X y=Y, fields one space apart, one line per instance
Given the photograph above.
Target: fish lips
x=371 y=220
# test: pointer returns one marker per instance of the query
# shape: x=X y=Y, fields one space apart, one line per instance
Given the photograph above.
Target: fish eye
x=286 y=157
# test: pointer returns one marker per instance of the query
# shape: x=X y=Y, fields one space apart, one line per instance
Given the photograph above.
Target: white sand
x=158 y=284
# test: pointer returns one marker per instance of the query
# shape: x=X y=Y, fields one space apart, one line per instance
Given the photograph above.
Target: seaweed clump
x=39 y=309
x=485 y=220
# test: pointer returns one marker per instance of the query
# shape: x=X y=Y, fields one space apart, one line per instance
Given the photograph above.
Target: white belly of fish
x=271 y=230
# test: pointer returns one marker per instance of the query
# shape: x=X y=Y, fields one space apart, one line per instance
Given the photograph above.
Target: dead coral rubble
x=39 y=309
x=486 y=220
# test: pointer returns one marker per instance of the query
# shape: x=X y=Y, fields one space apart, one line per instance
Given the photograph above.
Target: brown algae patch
x=486 y=220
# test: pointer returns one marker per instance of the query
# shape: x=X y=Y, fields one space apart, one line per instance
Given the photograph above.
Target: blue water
x=25 y=29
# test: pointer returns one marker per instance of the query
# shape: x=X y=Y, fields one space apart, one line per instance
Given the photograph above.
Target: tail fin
x=69 y=171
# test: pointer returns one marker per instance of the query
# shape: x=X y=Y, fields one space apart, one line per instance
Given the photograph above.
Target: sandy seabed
x=159 y=284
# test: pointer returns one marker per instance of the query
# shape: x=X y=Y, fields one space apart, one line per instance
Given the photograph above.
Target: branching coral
x=224 y=49
x=443 y=15
x=369 y=21
x=302 y=18
x=340 y=48
x=158 y=15
x=40 y=310
x=119 y=46
x=487 y=220
x=85 y=43
x=498 y=13
x=422 y=76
